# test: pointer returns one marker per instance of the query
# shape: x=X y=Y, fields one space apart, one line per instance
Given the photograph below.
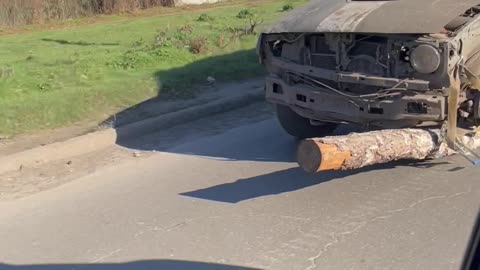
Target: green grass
x=55 y=78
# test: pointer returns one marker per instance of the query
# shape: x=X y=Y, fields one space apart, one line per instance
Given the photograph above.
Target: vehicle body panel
x=400 y=16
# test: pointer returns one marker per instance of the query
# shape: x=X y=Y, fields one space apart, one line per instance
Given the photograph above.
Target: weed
x=253 y=19
x=254 y=22
x=180 y=39
x=198 y=45
x=220 y=42
x=177 y=39
x=244 y=14
x=233 y=30
x=249 y=29
x=204 y=17
x=139 y=43
x=287 y=7
x=7 y=72
x=142 y=53
x=186 y=29
x=45 y=86
x=162 y=39
x=128 y=60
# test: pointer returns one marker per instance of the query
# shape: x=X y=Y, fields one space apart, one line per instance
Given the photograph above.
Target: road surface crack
x=110 y=254
x=390 y=213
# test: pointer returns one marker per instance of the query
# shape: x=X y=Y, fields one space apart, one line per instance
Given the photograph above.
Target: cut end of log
x=309 y=156
x=314 y=156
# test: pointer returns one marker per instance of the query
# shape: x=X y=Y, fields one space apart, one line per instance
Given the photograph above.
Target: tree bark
x=358 y=150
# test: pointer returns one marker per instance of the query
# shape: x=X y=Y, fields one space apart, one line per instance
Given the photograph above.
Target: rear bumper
x=324 y=106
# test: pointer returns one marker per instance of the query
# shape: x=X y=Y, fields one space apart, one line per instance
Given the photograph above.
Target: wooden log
x=358 y=150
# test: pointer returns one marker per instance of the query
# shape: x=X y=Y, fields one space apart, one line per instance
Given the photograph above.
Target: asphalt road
x=235 y=199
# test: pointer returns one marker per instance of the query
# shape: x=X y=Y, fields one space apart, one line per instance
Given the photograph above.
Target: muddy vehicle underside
x=374 y=63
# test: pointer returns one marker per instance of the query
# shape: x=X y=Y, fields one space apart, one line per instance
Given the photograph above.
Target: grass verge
x=54 y=78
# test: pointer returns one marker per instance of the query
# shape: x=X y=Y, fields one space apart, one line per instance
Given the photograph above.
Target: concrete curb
x=101 y=139
x=186 y=115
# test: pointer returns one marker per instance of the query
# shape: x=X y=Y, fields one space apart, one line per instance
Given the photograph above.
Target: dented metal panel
x=395 y=16
x=348 y=17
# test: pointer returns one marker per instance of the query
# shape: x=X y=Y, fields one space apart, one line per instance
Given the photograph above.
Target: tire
x=300 y=127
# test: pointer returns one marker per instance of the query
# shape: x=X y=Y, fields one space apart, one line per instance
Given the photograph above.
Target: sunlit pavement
x=236 y=200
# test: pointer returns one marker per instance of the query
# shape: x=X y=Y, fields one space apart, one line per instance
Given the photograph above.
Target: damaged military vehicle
x=382 y=64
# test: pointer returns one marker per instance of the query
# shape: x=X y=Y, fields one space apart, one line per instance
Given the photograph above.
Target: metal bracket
x=467 y=153
x=463 y=150
x=451 y=126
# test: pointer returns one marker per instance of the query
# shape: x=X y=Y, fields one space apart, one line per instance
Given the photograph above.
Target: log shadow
x=428 y=164
x=275 y=183
x=136 y=265
x=294 y=179
x=456 y=169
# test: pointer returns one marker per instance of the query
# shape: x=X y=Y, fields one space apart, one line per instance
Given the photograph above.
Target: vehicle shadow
x=261 y=141
x=179 y=88
x=177 y=82
x=137 y=265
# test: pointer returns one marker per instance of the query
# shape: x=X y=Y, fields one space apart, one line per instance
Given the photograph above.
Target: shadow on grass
x=177 y=87
x=78 y=43
x=137 y=265
x=178 y=82
x=182 y=83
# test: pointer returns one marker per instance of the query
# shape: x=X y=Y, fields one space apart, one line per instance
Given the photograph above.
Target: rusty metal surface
x=357 y=78
x=400 y=16
x=328 y=107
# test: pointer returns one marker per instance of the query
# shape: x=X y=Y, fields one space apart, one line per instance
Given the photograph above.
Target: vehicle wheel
x=300 y=127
